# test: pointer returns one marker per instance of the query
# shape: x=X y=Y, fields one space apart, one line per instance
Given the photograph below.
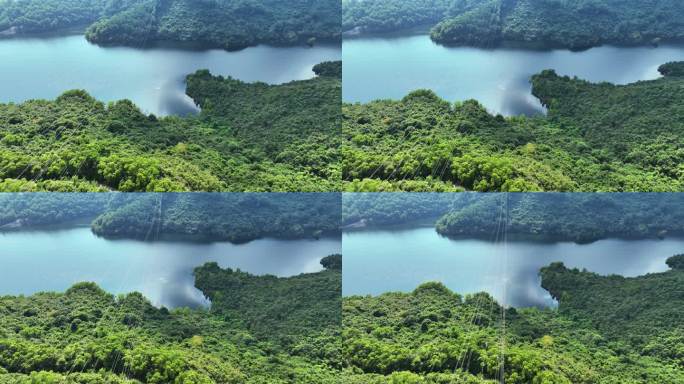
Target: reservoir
x=378 y=261
x=391 y=67
x=54 y=260
x=154 y=78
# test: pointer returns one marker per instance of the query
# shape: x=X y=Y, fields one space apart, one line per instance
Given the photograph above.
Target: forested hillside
x=286 y=311
x=228 y=24
x=362 y=210
x=607 y=330
x=44 y=209
x=596 y=137
x=644 y=313
x=234 y=217
x=248 y=137
x=237 y=218
x=539 y=23
x=579 y=217
x=367 y=16
x=86 y=335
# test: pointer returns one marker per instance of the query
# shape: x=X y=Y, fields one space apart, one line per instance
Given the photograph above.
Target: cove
x=391 y=67
x=153 y=78
x=378 y=261
x=53 y=260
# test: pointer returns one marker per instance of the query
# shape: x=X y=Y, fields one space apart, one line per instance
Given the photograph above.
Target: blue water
x=380 y=261
x=33 y=261
x=43 y=68
x=390 y=67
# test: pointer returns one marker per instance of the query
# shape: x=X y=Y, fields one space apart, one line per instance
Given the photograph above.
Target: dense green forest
x=249 y=137
x=19 y=211
x=259 y=329
x=596 y=137
x=367 y=16
x=234 y=217
x=540 y=23
x=607 y=330
x=362 y=210
x=228 y=24
x=578 y=217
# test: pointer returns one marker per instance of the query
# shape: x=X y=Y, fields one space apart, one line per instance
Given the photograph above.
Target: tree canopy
x=234 y=217
x=88 y=336
x=228 y=24
x=596 y=137
x=249 y=137
x=578 y=217
x=540 y=23
x=607 y=329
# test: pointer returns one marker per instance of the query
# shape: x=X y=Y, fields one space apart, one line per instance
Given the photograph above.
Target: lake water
x=380 y=261
x=391 y=67
x=43 y=68
x=33 y=261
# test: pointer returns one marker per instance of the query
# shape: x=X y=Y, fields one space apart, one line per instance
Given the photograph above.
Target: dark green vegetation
x=596 y=137
x=606 y=330
x=579 y=217
x=260 y=329
x=644 y=313
x=541 y=23
x=19 y=211
x=235 y=217
x=360 y=210
x=248 y=137
x=672 y=69
x=228 y=24
x=285 y=310
x=359 y=16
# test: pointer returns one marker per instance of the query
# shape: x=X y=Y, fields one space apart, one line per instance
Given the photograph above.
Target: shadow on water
x=162 y=271
x=390 y=67
x=180 y=291
x=517 y=99
x=174 y=101
x=399 y=260
x=46 y=67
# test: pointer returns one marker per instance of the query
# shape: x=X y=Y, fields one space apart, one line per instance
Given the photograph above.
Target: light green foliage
x=88 y=336
x=249 y=137
x=596 y=137
x=607 y=330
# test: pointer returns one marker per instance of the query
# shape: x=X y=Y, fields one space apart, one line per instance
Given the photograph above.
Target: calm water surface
x=382 y=261
x=43 y=68
x=54 y=260
x=391 y=67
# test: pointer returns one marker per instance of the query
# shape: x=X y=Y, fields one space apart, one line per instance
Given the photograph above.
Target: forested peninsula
x=259 y=329
x=249 y=137
x=227 y=24
x=607 y=329
x=234 y=217
x=596 y=137
x=534 y=23
x=577 y=217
